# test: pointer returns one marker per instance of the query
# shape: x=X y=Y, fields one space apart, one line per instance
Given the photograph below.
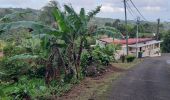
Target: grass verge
x=91 y=88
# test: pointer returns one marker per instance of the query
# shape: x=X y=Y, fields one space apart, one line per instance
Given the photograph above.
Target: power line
x=138 y=10
x=130 y=10
x=130 y=7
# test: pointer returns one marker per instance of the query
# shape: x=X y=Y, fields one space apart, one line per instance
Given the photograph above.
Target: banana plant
x=72 y=26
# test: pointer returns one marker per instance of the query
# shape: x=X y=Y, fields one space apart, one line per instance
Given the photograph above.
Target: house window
x=130 y=48
x=156 y=45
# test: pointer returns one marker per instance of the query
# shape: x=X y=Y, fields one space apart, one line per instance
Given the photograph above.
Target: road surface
x=149 y=80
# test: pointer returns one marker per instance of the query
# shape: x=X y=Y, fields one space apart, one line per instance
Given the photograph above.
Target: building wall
x=149 y=50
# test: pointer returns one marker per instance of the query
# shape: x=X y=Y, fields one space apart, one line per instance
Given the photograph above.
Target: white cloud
x=36 y=4
x=152 y=9
x=108 y=8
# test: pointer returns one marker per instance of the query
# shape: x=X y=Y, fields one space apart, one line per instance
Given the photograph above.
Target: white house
x=148 y=46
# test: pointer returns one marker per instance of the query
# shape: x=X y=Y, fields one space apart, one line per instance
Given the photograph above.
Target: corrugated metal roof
x=145 y=44
x=107 y=40
x=132 y=40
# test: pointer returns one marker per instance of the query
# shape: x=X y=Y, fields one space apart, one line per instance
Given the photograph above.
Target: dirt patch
x=89 y=86
x=116 y=69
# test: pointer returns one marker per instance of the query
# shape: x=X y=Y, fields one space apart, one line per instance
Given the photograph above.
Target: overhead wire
x=138 y=10
x=130 y=10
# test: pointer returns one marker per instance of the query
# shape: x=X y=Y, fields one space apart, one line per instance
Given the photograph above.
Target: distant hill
x=101 y=22
x=33 y=15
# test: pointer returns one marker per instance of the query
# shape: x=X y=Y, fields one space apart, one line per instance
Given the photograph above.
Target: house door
x=140 y=49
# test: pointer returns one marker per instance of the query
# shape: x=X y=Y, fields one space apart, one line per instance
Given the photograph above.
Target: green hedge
x=130 y=58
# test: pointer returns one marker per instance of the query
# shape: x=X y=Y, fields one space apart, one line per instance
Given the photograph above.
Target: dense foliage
x=166 y=43
x=96 y=60
x=145 y=29
x=130 y=58
x=42 y=60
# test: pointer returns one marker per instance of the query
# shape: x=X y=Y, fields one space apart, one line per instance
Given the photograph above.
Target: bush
x=38 y=72
x=11 y=50
x=166 y=43
x=103 y=55
x=2 y=45
x=109 y=49
x=85 y=62
x=130 y=58
x=105 y=60
x=13 y=69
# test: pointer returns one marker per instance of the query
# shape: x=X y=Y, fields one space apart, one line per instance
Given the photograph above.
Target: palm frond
x=110 y=31
x=53 y=3
x=60 y=18
x=73 y=18
x=82 y=14
x=94 y=12
x=26 y=24
x=23 y=57
x=13 y=16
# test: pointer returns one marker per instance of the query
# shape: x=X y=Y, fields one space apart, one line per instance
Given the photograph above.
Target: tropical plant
x=63 y=45
x=71 y=27
x=166 y=43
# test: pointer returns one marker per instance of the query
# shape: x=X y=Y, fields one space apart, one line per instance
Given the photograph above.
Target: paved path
x=150 y=80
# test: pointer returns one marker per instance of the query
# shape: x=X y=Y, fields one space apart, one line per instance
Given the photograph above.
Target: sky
x=150 y=9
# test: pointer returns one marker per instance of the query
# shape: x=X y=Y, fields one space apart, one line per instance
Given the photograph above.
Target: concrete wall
x=149 y=50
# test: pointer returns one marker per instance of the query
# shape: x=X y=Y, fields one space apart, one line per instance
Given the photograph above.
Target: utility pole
x=137 y=35
x=157 y=34
x=127 y=49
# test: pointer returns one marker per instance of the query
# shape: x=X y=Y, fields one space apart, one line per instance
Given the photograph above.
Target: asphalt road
x=149 y=80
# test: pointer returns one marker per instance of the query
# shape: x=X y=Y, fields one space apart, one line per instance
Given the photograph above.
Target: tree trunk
x=78 y=58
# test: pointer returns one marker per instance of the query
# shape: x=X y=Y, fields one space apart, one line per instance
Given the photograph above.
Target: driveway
x=149 y=80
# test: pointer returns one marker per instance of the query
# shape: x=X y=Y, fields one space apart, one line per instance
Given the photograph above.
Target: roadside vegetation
x=43 y=60
x=46 y=57
x=97 y=87
x=166 y=42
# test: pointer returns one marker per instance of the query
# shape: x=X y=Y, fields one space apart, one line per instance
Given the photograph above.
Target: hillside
x=33 y=15
x=20 y=14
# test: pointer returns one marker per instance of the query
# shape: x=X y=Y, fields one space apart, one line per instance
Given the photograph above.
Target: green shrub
x=38 y=72
x=11 y=50
x=109 y=49
x=85 y=59
x=84 y=62
x=130 y=58
x=13 y=69
x=105 y=60
x=2 y=45
x=103 y=55
x=20 y=93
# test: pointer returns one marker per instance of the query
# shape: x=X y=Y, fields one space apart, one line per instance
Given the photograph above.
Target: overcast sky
x=151 y=9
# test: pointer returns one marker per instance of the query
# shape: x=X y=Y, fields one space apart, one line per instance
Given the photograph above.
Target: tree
x=116 y=23
x=166 y=43
x=63 y=39
x=46 y=15
x=108 y=24
x=63 y=45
